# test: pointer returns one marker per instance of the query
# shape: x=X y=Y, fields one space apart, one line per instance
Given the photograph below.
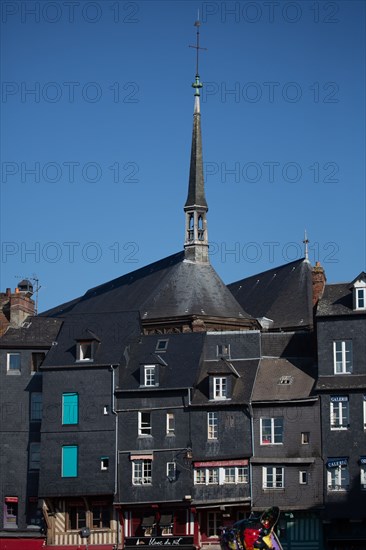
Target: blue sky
x=96 y=121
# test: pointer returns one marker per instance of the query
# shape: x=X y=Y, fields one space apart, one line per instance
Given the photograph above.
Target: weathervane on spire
x=197 y=84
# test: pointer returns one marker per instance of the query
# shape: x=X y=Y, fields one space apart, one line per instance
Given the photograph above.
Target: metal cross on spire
x=197 y=84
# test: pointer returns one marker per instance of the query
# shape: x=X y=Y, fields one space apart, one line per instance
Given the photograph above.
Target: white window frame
x=360 y=297
x=218 y=475
x=144 y=426
x=212 y=425
x=278 y=477
x=336 y=477
x=104 y=463
x=342 y=356
x=142 y=472
x=10 y=369
x=363 y=477
x=200 y=476
x=239 y=475
x=303 y=477
x=339 y=410
x=364 y=412
x=170 y=423
x=83 y=350
x=273 y=427
x=150 y=375
x=305 y=438
x=220 y=387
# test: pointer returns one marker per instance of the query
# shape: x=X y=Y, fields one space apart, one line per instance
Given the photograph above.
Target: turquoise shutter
x=69 y=464
x=70 y=408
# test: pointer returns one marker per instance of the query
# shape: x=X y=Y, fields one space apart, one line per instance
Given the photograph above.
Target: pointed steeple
x=195 y=208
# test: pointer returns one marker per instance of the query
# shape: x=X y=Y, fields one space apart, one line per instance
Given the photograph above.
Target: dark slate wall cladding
x=345 y=443
x=94 y=387
x=342 y=442
x=294 y=494
x=230 y=493
x=17 y=431
x=350 y=328
x=158 y=407
x=90 y=480
x=297 y=418
x=231 y=422
x=13 y=471
x=94 y=434
x=243 y=345
x=161 y=489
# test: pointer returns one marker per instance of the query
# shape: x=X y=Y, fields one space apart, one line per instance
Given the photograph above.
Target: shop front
x=158 y=526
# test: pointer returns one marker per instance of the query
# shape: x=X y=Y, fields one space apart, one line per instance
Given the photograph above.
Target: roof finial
x=197 y=84
x=306 y=243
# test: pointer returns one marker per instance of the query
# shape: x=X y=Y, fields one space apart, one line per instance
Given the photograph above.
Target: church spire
x=195 y=208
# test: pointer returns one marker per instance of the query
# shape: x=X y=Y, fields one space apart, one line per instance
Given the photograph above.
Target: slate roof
x=178 y=364
x=301 y=373
x=283 y=294
x=337 y=299
x=241 y=385
x=111 y=332
x=342 y=382
x=171 y=287
x=196 y=191
x=36 y=332
x=288 y=344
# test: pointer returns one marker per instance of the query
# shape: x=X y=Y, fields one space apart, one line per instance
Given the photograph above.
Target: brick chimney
x=319 y=280
x=15 y=308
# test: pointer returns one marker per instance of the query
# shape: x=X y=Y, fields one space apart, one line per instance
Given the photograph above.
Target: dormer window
x=360 y=298
x=162 y=345
x=359 y=292
x=220 y=387
x=149 y=376
x=85 y=350
x=285 y=380
x=223 y=350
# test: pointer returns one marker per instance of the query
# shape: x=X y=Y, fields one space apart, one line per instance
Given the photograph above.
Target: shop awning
x=222 y=463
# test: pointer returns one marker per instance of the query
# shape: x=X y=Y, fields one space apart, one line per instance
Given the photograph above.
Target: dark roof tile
x=171 y=287
x=297 y=377
x=282 y=294
x=36 y=331
x=114 y=330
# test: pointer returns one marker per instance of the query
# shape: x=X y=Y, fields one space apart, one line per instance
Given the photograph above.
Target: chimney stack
x=15 y=308
x=319 y=280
